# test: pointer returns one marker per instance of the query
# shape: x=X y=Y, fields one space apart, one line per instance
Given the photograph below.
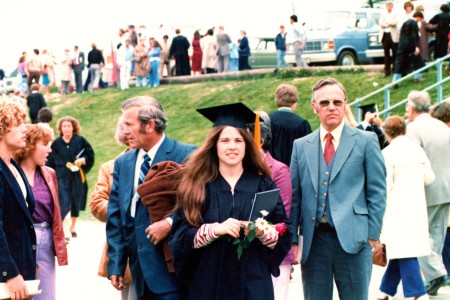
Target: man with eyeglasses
x=338 y=199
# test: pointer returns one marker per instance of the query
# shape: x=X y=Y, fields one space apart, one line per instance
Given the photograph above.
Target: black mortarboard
x=368 y=107
x=234 y=115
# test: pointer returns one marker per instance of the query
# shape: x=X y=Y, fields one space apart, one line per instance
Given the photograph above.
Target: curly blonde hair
x=10 y=113
x=35 y=133
x=75 y=124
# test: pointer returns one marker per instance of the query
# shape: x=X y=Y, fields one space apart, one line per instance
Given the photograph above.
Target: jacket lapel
x=163 y=151
x=27 y=206
x=312 y=150
x=346 y=145
x=128 y=171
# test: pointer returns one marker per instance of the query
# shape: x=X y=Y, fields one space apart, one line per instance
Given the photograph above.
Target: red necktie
x=329 y=148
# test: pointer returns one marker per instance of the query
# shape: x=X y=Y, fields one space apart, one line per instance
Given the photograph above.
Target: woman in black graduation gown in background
x=72 y=157
x=215 y=197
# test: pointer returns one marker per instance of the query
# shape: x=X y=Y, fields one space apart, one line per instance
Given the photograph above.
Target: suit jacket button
x=313 y=219
x=34 y=247
x=5 y=273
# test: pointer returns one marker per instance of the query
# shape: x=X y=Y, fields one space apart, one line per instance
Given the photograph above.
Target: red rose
x=280 y=228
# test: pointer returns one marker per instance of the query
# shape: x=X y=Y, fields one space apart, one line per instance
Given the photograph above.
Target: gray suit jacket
x=223 y=40
x=356 y=193
x=434 y=137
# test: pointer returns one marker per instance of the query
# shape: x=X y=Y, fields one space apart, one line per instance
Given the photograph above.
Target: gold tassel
x=257 y=133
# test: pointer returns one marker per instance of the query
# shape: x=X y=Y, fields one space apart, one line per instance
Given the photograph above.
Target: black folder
x=266 y=200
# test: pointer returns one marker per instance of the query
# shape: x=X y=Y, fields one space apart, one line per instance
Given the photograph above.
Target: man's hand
x=17 y=288
x=158 y=231
x=294 y=249
x=117 y=282
x=377 y=121
x=372 y=243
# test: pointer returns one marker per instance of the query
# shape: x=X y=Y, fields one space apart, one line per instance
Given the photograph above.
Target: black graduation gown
x=286 y=127
x=442 y=20
x=409 y=40
x=214 y=271
x=62 y=153
x=179 y=50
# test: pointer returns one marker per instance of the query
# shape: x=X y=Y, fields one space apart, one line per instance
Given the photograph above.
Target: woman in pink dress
x=197 y=54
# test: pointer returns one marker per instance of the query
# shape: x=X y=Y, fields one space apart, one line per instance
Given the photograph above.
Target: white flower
x=264 y=213
x=260 y=223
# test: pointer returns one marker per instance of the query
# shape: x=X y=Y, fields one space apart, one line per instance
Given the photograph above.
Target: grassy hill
x=98 y=112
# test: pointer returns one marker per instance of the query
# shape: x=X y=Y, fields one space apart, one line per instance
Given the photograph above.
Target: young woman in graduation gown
x=70 y=149
x=215 y=197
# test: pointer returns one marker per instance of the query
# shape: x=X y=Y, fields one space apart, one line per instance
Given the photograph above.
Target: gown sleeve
x=181 y=242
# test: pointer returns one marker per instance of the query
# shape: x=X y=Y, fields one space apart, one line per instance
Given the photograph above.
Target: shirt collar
x=152 y=152
x=287 y=109
x=336 y=133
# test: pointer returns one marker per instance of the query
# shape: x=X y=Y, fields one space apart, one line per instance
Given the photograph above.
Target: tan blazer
x=99 y=207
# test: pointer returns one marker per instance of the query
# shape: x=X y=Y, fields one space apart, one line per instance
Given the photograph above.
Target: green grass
x=98 y=112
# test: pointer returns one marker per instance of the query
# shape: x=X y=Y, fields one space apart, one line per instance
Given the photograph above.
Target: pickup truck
x=343 y=37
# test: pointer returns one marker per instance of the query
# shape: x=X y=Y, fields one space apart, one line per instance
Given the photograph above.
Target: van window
x=328 y=20
x=361 y=20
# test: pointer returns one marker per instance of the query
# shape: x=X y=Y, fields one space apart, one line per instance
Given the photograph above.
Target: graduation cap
x=235 y=115
x=373 y=108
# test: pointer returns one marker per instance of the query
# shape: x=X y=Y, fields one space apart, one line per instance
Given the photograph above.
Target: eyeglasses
x=325 y=103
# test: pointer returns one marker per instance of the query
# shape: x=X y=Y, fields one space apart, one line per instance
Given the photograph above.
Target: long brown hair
x=203 y=167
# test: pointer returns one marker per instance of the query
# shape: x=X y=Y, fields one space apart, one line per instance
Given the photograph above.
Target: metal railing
x=387 y=88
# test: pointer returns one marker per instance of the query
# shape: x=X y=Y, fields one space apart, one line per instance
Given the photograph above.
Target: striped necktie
x=145 y=167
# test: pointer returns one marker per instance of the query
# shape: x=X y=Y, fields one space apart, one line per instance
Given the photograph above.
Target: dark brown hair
x=203 y=167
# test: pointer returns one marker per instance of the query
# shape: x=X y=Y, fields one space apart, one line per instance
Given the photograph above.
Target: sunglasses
x=337 y=103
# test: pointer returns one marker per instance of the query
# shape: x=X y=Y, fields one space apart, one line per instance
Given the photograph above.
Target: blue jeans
x=141 y=81
x=153 y=76
x=408 y=271
x=281 y=59
x=446 y=251
x=397 y=76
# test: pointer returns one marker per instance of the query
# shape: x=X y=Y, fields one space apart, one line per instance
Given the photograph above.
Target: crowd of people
x=179 y=218
x=405 y=36
x=141 y=53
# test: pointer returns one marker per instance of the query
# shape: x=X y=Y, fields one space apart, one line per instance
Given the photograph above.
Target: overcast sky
x=60 y=24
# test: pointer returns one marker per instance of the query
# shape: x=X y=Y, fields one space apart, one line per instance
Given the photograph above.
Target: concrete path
x=79 y=279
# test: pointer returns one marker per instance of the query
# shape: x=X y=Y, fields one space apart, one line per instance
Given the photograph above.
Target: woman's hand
x=80 y=162
x=244 y=224
x=230 y=226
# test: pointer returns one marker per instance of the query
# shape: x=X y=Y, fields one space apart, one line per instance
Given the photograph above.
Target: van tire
x=347 y=58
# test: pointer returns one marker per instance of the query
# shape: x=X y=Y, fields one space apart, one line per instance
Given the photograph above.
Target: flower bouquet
x=257 y=228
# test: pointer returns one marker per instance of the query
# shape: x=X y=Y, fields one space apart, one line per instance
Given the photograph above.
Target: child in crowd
x=35 y=101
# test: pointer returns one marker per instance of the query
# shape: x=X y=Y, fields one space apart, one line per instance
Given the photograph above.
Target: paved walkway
x=79 y=279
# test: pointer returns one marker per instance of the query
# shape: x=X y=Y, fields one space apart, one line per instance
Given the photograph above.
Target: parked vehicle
x=8 y=84
x=343 y=37
x=264 y=53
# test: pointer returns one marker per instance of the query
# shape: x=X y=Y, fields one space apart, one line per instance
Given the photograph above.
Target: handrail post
x=439 y=79
x=387 y=102
x=357 y=114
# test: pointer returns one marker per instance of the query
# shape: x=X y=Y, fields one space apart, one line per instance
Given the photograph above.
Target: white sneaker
x=382 y=296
